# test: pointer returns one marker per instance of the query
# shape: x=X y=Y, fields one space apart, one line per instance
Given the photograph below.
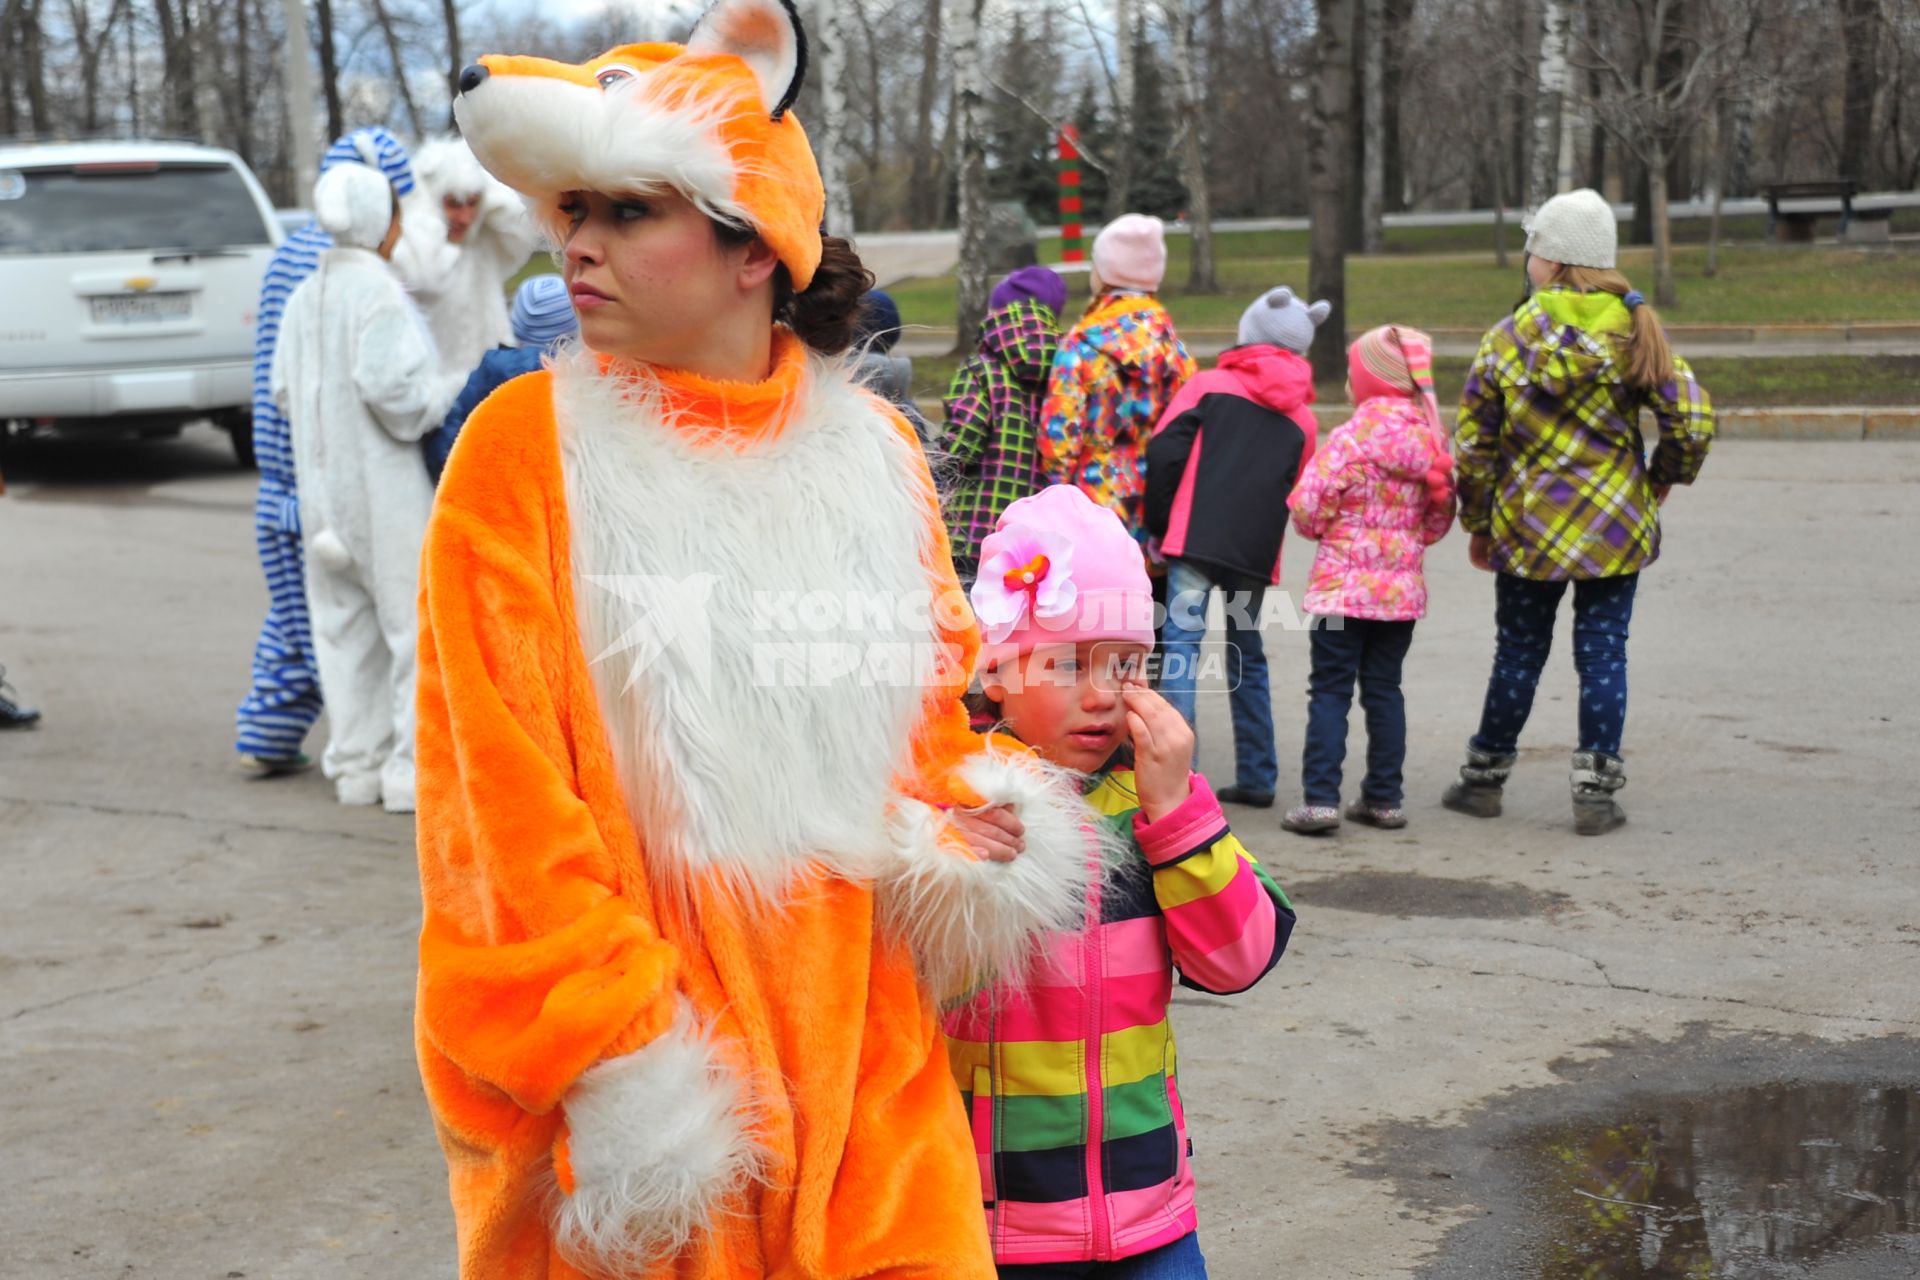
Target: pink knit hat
x=1131 y=252
x=1058 y=569
x=1394 y=360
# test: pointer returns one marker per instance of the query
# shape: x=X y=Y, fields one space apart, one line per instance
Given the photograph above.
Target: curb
x=1786 y=422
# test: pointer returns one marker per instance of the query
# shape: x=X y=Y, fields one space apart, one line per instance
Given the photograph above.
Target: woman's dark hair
x=826 y=313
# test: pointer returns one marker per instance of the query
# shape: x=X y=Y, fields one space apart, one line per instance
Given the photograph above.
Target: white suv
x=130 y=272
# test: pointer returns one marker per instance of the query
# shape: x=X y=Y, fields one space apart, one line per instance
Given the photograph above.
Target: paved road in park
x=206 y=982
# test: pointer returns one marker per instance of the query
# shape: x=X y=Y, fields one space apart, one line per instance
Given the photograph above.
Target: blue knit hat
x=543 y=312
x=377 y=149
x=878 y=323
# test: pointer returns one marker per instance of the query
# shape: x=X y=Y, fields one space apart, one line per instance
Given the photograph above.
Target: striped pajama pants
x=285 y=698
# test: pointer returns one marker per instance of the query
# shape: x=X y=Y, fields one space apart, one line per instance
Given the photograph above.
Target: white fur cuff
x=969 y=922
x=658 y=1140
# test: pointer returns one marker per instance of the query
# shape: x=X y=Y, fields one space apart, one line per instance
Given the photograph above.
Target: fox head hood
x=710 y=119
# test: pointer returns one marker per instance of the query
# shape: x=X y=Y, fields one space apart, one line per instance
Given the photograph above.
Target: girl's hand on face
x=1480 y=551
x=994 y=834
x=1162 y=750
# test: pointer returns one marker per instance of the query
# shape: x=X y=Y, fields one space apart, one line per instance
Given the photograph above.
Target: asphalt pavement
x=206 y=981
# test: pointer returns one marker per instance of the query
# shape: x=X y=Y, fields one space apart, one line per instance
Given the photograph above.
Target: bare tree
x=383 y=19
x=924 y=178
x=1330 y=179
x=1860 y=32
x=1648 y=106
x=329 y=68
x=1373 y=120
x=1201 y=275
x=1126 y=55
x=456 y=61
x=970 y=146
x=832 y=36
x=1551 y=169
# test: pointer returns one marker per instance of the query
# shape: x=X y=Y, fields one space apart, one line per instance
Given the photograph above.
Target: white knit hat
x=1576 y=228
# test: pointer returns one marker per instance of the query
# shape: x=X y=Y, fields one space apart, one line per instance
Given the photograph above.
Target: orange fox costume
x=689 y=897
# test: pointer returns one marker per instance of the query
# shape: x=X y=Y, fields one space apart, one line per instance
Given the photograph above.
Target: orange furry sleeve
x=532 y=968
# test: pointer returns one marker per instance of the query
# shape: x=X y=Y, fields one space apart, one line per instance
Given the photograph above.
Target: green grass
x=1733 y=382
x=1756 y=285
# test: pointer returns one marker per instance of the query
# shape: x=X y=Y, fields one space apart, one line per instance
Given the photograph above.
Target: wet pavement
x=1664 y=1161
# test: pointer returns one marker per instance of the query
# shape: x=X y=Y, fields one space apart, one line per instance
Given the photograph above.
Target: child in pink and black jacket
x=1377 y=495
x=1068 y=1071
x=1219 y=468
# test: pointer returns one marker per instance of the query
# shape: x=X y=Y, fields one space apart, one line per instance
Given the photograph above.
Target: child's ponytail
x=1644 y=352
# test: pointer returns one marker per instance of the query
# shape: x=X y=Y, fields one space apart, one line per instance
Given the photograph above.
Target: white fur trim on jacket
x=969 y=922
x=658 y=1140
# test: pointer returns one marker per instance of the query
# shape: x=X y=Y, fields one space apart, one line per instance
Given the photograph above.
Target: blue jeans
x=1371 y=652
x=1255 y=767
x=1523 y=614
x=1180 y=1260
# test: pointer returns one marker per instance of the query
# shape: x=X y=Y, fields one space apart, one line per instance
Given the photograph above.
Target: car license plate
x=141 y=308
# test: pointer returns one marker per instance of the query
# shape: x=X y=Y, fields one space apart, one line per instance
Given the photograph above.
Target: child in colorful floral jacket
x=1116 y=372
x=1069 y=1074
x=1375 y=497
x=991 y=406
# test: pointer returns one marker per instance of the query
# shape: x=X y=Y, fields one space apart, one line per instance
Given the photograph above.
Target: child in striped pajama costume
x=1068 y=1074
x=284 y=700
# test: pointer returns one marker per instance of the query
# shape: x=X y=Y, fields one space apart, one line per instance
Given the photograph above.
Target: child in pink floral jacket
x=1376 y=496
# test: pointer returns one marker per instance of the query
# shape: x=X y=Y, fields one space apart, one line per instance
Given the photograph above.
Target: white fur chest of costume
x=731 y=601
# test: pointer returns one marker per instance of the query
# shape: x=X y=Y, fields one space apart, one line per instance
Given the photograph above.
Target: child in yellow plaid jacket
x=1555 y=487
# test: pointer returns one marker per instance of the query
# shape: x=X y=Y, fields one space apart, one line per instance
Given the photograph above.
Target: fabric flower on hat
x=1026 y=574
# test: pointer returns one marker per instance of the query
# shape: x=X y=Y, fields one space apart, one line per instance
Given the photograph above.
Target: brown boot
x=1596 y=776
x=1482 y=778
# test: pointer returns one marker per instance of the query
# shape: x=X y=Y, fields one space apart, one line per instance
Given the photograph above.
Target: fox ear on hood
x=764 y=34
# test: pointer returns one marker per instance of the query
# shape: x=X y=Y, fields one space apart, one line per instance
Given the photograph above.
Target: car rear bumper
x=102 y=393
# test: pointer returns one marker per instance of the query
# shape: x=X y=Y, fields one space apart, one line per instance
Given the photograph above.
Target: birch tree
x=1191 y=104
x=970 y=163
x=833 y=33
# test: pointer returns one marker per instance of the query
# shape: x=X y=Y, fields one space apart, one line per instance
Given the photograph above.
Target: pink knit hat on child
x=1058 y=569
x=1131 y=252
x=1396 y=361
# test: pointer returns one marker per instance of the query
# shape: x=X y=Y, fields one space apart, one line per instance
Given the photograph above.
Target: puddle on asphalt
x=1404 y=893
x=1770 y=1181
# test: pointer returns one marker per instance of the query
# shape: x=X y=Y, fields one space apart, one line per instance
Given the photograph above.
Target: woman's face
x=651 y=281
x=1540 y=270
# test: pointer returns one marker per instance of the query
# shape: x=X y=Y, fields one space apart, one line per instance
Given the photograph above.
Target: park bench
x=1796 y=225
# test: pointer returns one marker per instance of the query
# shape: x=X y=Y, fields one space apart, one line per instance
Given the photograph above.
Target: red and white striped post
x=1073 y=244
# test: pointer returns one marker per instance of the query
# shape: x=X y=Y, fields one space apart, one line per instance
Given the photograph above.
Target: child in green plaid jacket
x=1555 y=488
x=992 y=407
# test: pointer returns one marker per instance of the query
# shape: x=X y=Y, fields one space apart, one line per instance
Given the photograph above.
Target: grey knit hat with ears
x=1575 y=228
x=1279 y=319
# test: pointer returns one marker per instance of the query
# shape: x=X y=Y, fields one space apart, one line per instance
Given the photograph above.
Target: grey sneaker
x=1387 y=818
x=1482 y=779
x=1596 y=776
x=1311 y=819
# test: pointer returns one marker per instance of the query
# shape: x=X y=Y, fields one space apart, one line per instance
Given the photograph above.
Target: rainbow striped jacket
x=1069 y=1078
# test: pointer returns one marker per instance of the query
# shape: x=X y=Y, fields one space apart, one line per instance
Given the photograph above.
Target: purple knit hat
x=1041 y=284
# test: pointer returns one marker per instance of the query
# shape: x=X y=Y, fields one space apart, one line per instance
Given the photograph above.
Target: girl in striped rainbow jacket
x=1068 y=1072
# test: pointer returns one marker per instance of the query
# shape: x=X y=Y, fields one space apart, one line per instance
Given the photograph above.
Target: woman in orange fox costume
x=699 y=842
